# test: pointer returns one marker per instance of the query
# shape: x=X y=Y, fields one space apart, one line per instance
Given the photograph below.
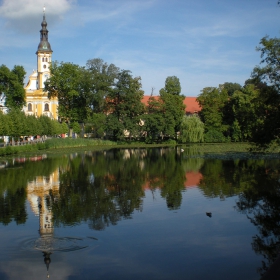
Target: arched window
x=47 y=108
x=29 y=107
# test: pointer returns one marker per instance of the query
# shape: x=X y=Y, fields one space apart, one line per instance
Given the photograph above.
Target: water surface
x=138 y=213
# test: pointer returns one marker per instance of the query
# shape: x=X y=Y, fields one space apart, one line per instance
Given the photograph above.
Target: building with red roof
x=192 y=106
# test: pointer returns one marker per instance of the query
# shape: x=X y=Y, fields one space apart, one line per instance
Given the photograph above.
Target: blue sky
x=202 y=42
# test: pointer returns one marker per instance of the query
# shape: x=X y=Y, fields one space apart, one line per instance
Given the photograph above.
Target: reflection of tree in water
x=101 y=193
x=261 y=202
x=104 y=187
x=164 y=170
x=226 y=178
x=257 y=184
x=12 y=206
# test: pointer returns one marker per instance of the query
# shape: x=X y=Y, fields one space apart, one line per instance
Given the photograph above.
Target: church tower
x=44 y=55
x=37 y=101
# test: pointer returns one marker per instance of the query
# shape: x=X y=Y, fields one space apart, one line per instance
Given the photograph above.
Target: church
x=37 y=101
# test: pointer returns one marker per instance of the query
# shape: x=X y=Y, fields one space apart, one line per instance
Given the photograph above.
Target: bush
x=214 y=136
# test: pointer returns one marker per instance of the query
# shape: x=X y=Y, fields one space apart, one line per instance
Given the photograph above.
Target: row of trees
x=109 y=101
x=250 y=112
x=16 y=124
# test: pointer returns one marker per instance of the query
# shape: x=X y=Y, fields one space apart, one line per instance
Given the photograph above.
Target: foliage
x=192 y=130
x=153 y=120
x=173 y=108
x=124 y=107
x=267 y=80
x=76 y=127
x=96 y=124
x=212 y=101
x=101 y=77
x=270 y=54
x=214 y=136
x=68 y=84
x=11 y=84
x=246 y=112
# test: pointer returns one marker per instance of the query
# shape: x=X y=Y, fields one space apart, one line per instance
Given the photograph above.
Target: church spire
x=44 y=45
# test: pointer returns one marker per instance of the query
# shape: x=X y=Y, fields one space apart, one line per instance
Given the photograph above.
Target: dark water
x=139 y=214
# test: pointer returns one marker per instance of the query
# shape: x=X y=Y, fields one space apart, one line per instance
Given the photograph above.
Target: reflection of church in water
x=40 y=194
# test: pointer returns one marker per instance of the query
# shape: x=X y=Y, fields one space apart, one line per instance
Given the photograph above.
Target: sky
x=202 y=42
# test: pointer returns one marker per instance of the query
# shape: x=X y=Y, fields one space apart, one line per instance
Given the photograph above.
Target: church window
x=47 y=108
x=29 y=107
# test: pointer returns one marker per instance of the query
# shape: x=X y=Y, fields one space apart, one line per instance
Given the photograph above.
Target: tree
x=67 y=83
x=212 y=101
x=96 y=124
x=231 y=87
x=154 y=120
x=270 y=54
x=11 y=84
x=33 y=126
x=18 y=123
x=173 y=107
x=245 y=108
x=5 y=124
x=267 y=80
x=192 y=130
x=102 y=77
x=172 y=85
x=124 y=107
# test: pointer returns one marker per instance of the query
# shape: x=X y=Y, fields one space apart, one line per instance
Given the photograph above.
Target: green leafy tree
x=245 y=108
x=270 y=54
x=154 y=120
x=76 y=127
x=96 y=124
x=266 y=78
x=5 y=124
x=124 y=107
x=67 y=83
x=212 y=101
x=101 y=80
x=18 y=123
x=11 y=84
x=173 y=107
x=192 y=130
x=172 y=85
x=33 y=126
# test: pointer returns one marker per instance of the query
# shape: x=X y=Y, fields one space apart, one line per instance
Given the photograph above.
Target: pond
x=158 y=213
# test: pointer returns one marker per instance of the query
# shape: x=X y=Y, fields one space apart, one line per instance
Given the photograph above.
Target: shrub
x=214 y=136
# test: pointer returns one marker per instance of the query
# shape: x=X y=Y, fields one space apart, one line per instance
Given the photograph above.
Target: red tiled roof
x=192 y=105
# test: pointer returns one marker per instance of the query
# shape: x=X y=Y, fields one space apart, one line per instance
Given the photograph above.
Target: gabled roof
x=191 y=103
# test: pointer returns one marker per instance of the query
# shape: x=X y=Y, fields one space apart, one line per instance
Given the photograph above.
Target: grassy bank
x=56 y=145
x=53 y=144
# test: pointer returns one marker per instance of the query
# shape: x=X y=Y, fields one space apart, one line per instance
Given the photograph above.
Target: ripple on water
x=62 y=244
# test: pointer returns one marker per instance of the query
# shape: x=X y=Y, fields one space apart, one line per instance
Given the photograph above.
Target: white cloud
x=24 y=15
